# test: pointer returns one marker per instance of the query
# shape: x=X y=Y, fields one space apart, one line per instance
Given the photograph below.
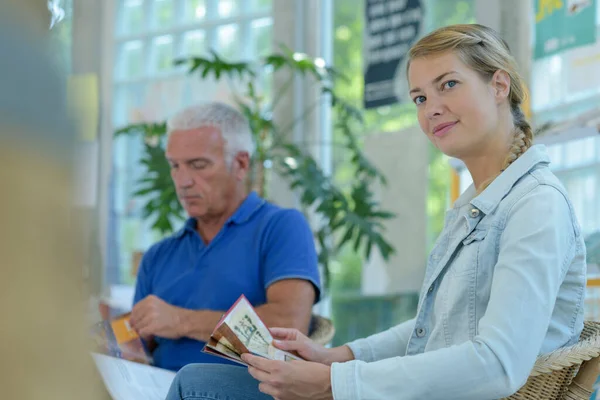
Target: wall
x=403 y=157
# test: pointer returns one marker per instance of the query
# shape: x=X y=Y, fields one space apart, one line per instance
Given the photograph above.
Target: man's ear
x=501 y=85
x=241 y=165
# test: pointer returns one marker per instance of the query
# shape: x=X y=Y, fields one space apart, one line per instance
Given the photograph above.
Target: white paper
x=126 y=380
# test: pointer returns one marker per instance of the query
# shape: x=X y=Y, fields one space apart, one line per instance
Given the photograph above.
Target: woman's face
x=457 y=109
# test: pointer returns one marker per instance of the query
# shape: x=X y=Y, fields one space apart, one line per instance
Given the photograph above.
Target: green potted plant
x=350 y=215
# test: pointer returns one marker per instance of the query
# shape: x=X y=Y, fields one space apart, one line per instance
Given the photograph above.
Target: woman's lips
x=443 y=129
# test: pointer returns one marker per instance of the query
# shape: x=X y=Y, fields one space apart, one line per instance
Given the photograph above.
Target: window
x=564 y=87
x=577 y=164
x=149 y=36
x=566 y=84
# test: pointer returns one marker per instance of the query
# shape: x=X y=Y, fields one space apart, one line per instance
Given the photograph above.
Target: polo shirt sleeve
x=143 y=285
x=289 y=250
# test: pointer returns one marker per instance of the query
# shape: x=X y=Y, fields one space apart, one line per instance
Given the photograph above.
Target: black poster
x=392 y=27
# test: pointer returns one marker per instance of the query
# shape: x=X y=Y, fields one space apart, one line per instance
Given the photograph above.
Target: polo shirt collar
x=251 y=204
x=246 y=210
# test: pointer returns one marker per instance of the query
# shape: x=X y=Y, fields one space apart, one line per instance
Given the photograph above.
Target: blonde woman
x=505 y=281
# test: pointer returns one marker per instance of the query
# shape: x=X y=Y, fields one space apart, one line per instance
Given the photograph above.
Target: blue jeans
x=215 y=382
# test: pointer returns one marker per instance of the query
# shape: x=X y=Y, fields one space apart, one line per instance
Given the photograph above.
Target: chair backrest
x=567 y=373
x=321 y=330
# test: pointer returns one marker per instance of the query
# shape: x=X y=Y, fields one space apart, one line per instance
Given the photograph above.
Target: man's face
x=204 y=182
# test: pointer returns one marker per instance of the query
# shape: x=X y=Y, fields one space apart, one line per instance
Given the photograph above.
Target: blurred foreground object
x=43 y=329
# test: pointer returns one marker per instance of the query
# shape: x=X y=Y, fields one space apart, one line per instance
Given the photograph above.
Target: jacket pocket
x=468 y=257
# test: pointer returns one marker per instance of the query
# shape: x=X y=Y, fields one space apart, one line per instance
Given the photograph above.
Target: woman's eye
x=419 y=99
x=450 y=84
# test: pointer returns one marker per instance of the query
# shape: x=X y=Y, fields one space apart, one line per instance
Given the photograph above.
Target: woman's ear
x=501 y=85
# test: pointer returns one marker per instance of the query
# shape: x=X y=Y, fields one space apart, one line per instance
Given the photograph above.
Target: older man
x=233 y=243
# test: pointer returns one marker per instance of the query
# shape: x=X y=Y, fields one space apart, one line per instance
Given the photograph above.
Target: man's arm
x=290 y=278
x=142 y=290
x=289 y=305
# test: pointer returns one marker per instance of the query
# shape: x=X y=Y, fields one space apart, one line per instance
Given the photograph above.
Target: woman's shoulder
x=539 y=184
x=538 y=192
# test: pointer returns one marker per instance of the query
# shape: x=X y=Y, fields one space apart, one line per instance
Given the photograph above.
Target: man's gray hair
x=234 y=126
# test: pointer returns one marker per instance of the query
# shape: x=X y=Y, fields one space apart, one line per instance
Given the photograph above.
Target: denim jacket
x=504 y=283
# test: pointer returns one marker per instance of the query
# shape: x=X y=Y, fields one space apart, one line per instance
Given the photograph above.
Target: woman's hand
x=292 y=340
x=291 y=380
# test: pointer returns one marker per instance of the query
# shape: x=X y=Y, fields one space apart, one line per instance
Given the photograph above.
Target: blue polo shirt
x=259 y=245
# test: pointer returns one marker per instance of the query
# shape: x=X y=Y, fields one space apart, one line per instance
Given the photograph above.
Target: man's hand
x=154 y=317
x=291 y=380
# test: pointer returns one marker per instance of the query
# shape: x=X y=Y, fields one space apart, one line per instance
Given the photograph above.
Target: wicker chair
x=321 y=330
x=567 y=373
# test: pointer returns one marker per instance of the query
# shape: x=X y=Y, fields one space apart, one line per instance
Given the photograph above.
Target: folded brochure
x=241 y=331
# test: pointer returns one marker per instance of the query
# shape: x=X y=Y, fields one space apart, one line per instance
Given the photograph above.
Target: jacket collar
x=488 y=200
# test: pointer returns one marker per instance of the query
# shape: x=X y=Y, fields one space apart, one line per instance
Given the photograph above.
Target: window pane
x=194 y=10
x=555 y=153
x=579 y=152
x=564 y=84
x=132 y=62
x=262 y=5
x=547 y=83
x=164 y=13
x=261 y=37
x=229 y=8
x=194 y=43
x=228 y=42
x=449 y=12
x=162 y=54
x=132 y=16
x=582 y=189
x=126 y=99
